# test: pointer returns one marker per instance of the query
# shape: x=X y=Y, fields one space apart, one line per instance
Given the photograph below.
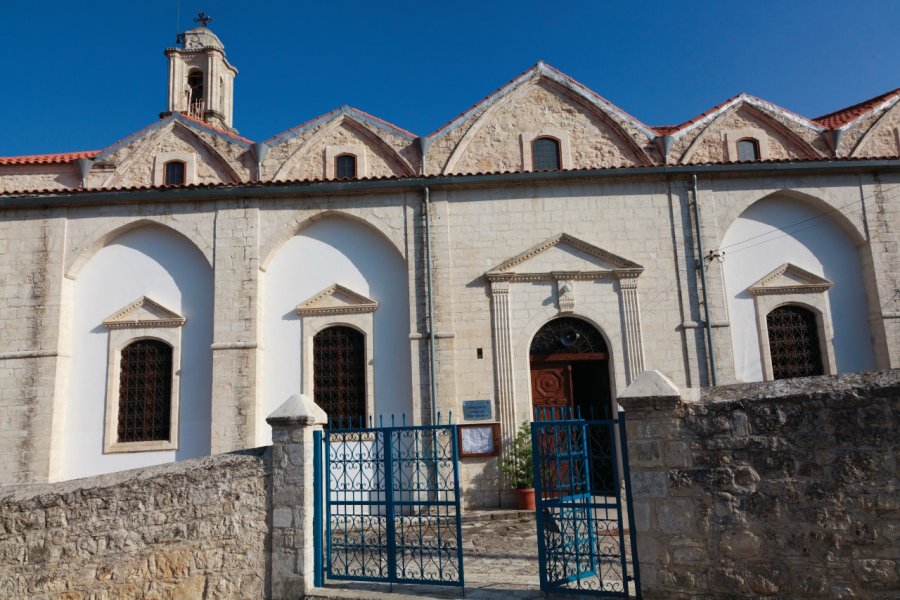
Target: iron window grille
x=145 y=391
x=794 y=343
x=339 y=374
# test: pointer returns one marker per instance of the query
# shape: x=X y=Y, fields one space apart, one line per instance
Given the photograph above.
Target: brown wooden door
x=551 y=389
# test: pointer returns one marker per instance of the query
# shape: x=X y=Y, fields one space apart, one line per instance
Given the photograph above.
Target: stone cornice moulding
x=809 y=283
x=336 y=300
x=622 y=267
x=149 y=313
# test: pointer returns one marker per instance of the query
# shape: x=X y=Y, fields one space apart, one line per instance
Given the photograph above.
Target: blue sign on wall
x=477 y=410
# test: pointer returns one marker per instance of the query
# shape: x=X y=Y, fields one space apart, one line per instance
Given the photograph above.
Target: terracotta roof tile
x=257 y=184
x=839 y=118
x=47 y=159
x=214 y=128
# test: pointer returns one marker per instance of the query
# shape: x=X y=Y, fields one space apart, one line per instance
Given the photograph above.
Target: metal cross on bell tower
x=202 y=18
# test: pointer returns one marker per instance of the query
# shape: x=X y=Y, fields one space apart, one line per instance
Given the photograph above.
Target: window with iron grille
x=748 y=149
x=794 y=343
x=174 y=172
x=545 y=154
x=339 y=374
x=345 y=166
x=145 y=391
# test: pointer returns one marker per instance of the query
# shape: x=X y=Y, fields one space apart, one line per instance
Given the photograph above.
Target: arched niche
x=142 y=261
x=781 y=232
x=335 y=255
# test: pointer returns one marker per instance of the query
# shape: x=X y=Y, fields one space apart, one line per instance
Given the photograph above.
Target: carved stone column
x=631 y=311
x=503 y=359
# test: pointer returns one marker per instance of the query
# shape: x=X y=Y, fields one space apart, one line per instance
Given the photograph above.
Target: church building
x=161 y=296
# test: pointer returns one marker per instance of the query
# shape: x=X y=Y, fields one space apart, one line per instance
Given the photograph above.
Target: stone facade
x=785 y=489
x=195 y=529
x=486 y=243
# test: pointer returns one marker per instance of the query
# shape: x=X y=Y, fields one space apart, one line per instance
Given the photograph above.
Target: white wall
x=813 y=241
x=348 y=252
x=160 y=264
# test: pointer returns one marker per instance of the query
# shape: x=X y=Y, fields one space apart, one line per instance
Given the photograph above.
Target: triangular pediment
x=565 y=256
x=790 y=279
x=142 y=313
x=336 y=300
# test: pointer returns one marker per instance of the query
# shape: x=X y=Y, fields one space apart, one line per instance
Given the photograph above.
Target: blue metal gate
x=583 y=545
x=388 y=505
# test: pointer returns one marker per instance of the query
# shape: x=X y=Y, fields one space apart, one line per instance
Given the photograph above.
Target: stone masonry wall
x=192 y=529
x=784 y=489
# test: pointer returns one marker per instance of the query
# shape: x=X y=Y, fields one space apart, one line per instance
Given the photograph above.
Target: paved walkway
x=500 y=560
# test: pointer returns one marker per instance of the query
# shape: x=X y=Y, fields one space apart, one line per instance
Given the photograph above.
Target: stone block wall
x=192 y=529
x=783 y=489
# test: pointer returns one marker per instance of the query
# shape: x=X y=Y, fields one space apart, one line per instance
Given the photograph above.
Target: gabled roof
x=710 y=115
x=354 y=113
x=541 y=69
x=48 y=159
x=845 y=116
x=185 y=120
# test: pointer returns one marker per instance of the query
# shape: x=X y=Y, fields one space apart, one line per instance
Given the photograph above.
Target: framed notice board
x=482 y=439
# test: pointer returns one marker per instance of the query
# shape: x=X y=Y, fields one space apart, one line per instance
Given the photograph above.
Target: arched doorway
x=570 y=370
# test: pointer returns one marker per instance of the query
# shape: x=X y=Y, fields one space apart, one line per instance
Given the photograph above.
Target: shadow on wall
x=777 y=230
x=348 y=252
x=163 y=265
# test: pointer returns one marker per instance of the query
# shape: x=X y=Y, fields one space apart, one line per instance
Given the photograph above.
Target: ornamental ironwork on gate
x=388 y=505
x=583 y=508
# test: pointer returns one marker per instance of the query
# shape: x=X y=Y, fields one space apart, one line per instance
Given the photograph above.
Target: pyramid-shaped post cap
x=650 y=391
x=297 y=410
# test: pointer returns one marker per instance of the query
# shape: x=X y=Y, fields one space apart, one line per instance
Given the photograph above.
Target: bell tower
x=201 y=80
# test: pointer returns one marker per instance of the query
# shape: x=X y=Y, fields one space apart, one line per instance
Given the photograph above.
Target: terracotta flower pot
x=526 y=498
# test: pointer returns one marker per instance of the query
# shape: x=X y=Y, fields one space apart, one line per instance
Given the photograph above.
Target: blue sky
x=79 y=75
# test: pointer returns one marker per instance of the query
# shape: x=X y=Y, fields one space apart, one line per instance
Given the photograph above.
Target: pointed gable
x=789 y=279
x=542 y=102
x=143 y=313
x=306 y=151
x=210 y=155
x=564 y=254
x=780 y=134
x=336 y=300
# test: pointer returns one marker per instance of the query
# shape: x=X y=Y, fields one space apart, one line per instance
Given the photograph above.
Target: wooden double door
x=576 y=383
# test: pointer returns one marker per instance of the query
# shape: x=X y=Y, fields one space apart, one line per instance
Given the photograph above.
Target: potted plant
x=518 y=467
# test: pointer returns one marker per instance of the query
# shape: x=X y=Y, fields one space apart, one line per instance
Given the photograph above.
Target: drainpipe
x=432 y=369
x=84 y=167
x=259 y=150
x=702 y=267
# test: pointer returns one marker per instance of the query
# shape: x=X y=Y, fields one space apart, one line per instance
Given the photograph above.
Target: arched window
x=545 y=154
x=339 y=374
x=174 y=172
x=748 y=149
x=195 y=82
x=145 y=392
x=345 y=166
x=794 y=342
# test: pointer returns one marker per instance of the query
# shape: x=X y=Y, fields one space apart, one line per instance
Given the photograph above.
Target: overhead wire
x=824 y=213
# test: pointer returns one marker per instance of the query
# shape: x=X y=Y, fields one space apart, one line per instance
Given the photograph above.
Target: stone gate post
x=292 y=568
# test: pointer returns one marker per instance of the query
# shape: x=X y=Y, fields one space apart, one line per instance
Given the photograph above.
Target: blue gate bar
x=319 y=577
x=392 y=505
x=581 y=545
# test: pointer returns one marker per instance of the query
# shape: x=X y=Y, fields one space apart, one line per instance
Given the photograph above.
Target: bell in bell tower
x=201 y=80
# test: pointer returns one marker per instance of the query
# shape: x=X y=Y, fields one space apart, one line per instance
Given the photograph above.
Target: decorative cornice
x=161 y=316
x=622 y=267
x=809 y=283
x=352 y=302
